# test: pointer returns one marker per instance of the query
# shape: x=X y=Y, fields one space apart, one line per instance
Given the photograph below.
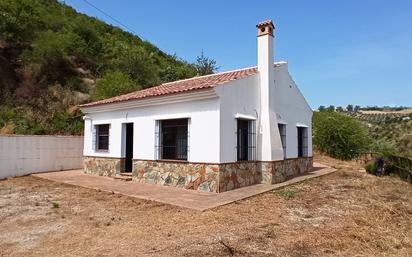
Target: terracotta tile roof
x=180 y=86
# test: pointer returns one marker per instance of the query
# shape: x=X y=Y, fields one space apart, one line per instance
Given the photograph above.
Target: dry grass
x=404 y=111
x=347 y=213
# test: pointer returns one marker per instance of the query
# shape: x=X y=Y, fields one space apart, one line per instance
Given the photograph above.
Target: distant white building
x=210 y=133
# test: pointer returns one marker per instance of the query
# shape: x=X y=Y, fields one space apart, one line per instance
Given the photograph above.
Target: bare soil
x=346 y=213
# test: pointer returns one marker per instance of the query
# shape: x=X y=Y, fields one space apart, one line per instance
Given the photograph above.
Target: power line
x=111 y=17
x=117 y=21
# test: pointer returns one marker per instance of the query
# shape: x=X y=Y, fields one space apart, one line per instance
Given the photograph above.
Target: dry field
x=404 y=111
x=347 y=213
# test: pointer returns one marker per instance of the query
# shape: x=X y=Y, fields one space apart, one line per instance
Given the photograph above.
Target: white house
x=210 y=133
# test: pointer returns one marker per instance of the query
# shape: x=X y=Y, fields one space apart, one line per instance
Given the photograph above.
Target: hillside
x=53 y=58
x=391 y=129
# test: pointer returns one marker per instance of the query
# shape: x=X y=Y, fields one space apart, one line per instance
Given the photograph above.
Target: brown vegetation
x=347 y=213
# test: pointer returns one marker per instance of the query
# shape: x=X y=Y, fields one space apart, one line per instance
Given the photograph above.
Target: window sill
x=172 y=160
x=101 y=151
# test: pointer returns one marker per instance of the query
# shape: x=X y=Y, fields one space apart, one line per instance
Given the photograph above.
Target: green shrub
x=76 y=83
x=114 y=83
x=383 y=148
x=371 y=168
x=338 y=135
x=52 y=41
x=287 y=194
x=63 y=123
x=17 y=122
x=48 y=48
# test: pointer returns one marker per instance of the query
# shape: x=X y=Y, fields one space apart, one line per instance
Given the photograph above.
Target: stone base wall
x=239 y=174
x=218 y=177
x=202 y=176
x=280 y=171
x=103 y=166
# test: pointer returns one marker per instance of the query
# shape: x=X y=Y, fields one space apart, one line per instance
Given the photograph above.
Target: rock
x=194 y=177
x=181 y=182
x=204 y=187
x=88 y=81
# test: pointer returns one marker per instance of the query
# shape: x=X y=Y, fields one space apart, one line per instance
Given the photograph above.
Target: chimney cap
x=265 y=28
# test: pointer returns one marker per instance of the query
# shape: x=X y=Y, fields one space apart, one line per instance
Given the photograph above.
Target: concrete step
x=124 y=178
x=126 y=174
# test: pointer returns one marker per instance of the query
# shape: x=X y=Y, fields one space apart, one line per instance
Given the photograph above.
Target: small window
x=102 y=137
x=246 y=140
x=302 y=142
x=282 y=132
x=172 y=137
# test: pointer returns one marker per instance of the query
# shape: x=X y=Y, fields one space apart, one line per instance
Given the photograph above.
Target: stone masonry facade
x=197 y=176
x=203 y=177
x=102 y=166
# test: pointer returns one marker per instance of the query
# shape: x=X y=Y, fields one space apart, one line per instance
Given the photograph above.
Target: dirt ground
x=346 y=213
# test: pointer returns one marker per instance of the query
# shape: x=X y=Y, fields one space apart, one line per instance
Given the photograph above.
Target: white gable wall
x=287 y=106
x=291 y=109
x=203 y=129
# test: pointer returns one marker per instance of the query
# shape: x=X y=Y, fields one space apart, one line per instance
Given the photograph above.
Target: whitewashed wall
x=291 y=109
x=22 y=155
x=203 y=129
x=288 y=106
x=212 y=121
x=239 y=97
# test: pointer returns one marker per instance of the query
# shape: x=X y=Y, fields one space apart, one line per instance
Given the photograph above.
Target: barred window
x=246 y=140
x=282 y=132
x=172 y=138
x=102 y=137
x=302 y=141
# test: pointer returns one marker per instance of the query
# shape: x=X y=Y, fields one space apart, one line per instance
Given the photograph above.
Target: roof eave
x=193 y=95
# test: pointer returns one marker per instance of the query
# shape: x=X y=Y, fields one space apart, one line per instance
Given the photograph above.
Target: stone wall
x=239 y=174
x=202 y=176
x=102 y=166
x=197 y=176
x=291 y=168
x=218 y=177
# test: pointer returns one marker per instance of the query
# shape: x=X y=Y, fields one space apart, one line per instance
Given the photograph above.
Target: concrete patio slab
x=191 y=199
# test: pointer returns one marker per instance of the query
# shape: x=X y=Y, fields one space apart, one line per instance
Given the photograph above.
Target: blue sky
x=339 y=52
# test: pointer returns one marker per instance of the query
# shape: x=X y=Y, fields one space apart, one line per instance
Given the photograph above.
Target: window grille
x=302 y=141
x=102 y=137
x=305 y=142
x=171 y=139
x=252 y=140
x=246 y=140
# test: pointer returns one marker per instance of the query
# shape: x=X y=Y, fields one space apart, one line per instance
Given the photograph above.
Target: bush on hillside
x=114 y=83
x=339 y=136
x=383 y=148
x=51 y=56
x=371 y=168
